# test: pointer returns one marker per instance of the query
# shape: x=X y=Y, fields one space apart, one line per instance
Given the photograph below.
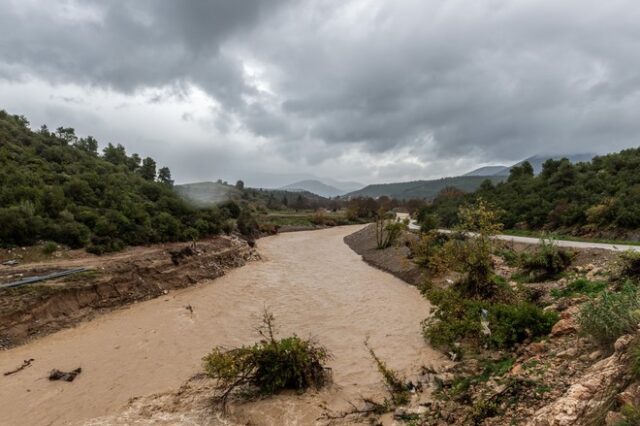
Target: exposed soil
x=113 y=281
x=393 y=259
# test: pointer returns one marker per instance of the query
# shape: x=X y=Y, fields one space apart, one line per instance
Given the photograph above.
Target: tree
x=115 y=154
x=88 y=144
x=240 y=185
x=67 y=134
x=148 y=169
x=473 y=255
x=164 y=176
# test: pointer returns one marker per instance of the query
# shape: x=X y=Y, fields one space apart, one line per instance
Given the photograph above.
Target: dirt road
x=313 y=283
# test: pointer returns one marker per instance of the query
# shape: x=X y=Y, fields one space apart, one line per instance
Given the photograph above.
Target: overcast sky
x=372 y=91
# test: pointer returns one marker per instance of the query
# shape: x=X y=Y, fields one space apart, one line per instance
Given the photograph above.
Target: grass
x=611 y=315
x=580 y=286
x=300 y=218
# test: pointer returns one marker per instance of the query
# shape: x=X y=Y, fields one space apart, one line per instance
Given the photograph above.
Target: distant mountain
x=204 y=194
x=273 y=180
x=345 y=187
x=488 y=171
x=314 y=186
x=468 y=182
x=422 y=188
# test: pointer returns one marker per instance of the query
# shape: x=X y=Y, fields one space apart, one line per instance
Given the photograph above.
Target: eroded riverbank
x=313 y=283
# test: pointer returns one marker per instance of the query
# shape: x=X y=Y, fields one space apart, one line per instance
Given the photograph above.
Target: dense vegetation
x=424 y=189
x=479 y=308
x=56 y=186
x=586 y=198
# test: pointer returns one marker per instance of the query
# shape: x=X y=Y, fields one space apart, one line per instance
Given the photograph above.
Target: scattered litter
x=66 y=376
x=189 y=308
x=26 y=363
x=12 y=262
x=484 y=322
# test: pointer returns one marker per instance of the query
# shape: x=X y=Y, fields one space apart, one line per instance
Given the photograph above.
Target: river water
x=311 y=281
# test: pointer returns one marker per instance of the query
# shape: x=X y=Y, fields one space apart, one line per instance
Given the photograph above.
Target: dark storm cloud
x=129 y=45
x=431 y=80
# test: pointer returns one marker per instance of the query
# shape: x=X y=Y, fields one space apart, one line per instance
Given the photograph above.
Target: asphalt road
x=560 y=243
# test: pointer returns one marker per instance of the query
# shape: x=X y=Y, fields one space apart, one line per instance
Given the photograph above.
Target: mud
x=36 y=310
x=136 y=362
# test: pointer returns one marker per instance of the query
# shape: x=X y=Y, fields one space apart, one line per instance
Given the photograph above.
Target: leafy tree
x=164 y=176
x=148 y=169
x=240 y=185
x=56 y=187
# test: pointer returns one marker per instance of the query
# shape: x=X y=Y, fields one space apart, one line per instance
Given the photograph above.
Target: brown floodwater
x=313 y=284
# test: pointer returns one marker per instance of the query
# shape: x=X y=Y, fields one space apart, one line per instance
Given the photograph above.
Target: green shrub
x=612 y=315
x=457 y=319
x=427 y=251
x=472 y=254
x=546 y=261
x=631 y=414
x=511 y=324
x=628 y=265
x=247 y=224
x=634 y=359
x=580 y=286
x=267 y=367
x=49 y=247
x=387 y=231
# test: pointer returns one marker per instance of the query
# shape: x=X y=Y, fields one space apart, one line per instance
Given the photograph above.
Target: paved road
x=561 y=243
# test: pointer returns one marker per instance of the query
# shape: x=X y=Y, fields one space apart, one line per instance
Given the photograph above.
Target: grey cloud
x=490 y=80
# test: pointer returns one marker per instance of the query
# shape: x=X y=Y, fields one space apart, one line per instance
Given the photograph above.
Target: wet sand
x=311 y=281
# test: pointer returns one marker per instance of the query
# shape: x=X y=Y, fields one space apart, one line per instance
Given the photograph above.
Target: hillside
x=601 y=197
x=56 y=187
x=488 y=171
x=422 y=188
x=537 y=161
x=315 y=187
x=206 y=194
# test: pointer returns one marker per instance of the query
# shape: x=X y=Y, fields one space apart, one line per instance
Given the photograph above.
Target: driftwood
x=63 y=375
x=26 y=363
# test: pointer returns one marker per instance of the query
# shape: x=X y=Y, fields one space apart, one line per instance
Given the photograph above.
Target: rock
x=400 y=413
x=622 y=343
x=595 y=355
x=537 y=347
x=569 y=353
x=613 y=418
x=585 y=396
x=516 y=370
x=563 y=327
x=417 y=411
x=624 y=398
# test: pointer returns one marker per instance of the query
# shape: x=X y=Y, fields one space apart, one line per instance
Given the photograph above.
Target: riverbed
x=311 y=281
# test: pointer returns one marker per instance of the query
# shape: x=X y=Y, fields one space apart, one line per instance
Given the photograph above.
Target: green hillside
x=55 y=186
x=423 y=188
x=597 y=197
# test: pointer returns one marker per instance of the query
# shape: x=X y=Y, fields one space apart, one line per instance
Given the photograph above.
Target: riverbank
x=109 y=282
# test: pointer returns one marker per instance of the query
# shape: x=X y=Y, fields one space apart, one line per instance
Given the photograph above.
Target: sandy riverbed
x=312 y=282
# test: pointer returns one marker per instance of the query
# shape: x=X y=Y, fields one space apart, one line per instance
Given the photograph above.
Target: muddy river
x=311 y=281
